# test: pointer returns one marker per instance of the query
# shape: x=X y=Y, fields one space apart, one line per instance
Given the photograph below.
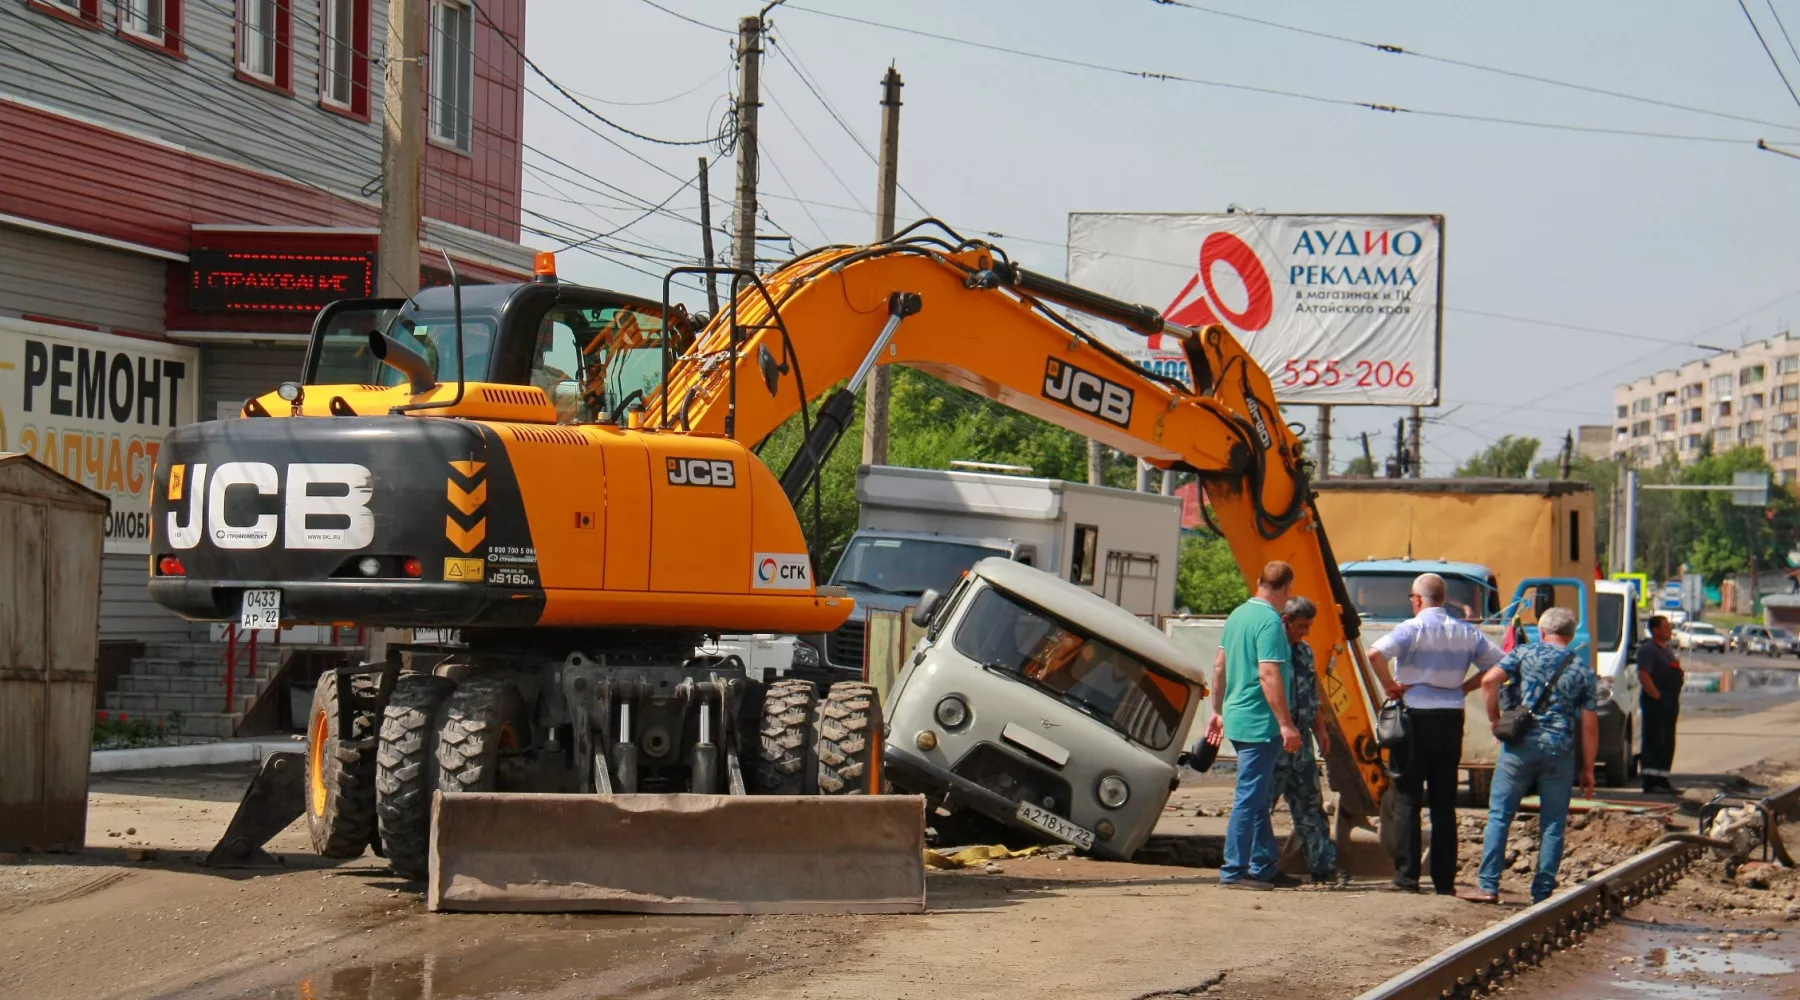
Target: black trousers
x=1659 y=736
x=1428 y=779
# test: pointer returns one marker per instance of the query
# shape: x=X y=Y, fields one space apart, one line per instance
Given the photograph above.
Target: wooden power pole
x=1322 y=468
x=875 y=403
x=706 y=244
x=743 y=229
x=403 y=115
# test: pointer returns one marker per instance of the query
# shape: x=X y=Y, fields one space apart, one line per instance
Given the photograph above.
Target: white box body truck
x=919 y=529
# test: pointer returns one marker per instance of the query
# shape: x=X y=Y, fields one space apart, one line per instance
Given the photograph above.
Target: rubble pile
x=1592 y=843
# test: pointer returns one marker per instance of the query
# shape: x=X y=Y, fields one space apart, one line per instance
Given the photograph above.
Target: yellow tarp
x=970 y=857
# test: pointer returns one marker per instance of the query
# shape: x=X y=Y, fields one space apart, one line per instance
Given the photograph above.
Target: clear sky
x=1668 y=240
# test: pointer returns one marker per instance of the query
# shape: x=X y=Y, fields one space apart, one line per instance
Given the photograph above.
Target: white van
x=1618 y=628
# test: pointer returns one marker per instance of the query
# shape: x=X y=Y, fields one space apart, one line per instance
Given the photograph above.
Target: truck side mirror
x=928 y=602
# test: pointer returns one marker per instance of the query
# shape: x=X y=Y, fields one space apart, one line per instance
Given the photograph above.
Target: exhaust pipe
x=404 y=359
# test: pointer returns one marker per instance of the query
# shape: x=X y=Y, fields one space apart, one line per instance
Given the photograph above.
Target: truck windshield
x=1609 y=612
x=1384 y=595
x=907 y=565
x=1006 y=635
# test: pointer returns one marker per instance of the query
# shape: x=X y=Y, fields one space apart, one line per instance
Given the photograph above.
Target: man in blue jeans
x=1547 y=754
x=1251 y=709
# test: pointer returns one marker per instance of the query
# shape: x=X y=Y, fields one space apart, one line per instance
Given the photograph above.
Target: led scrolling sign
x=240 y=281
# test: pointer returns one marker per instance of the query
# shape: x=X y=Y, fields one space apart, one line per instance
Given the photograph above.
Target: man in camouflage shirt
x=1297 y=773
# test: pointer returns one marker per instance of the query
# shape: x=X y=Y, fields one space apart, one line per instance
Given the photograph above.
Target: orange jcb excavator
x=565 y=475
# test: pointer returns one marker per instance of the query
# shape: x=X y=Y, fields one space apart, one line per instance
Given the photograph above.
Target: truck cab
x=1379 y=588
x=1040 y=706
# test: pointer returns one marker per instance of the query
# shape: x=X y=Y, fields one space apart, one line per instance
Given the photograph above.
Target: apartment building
x=1749 y=397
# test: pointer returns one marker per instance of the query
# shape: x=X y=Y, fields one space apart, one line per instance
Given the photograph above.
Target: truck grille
x=1004 y=774
x=845 y=646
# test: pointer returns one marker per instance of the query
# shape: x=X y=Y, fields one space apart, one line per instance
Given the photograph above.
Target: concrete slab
x=222 y=752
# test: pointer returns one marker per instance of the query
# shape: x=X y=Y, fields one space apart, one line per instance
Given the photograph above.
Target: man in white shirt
x=1431 y=654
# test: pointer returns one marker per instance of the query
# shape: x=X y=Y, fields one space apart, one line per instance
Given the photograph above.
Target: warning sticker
x=463 y=570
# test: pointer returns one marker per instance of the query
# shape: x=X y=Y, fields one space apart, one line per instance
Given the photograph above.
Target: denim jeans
x=1554 y=774
x=1250 y=848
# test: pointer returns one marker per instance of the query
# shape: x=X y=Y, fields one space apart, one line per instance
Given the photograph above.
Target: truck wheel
x=481 y=720
x=784 y=760
x=405 y=771
x=340 y=786
x=849 y=746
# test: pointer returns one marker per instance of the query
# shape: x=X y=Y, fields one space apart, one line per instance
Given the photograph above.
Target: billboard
x=94 y=407
x=1338 y=309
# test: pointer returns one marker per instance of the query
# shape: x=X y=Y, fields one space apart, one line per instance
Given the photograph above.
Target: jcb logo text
x=1087 y=392
x=701 y=472
x=327 y=506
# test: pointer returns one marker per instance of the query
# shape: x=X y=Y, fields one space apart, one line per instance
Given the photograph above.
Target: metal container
x=51 y=533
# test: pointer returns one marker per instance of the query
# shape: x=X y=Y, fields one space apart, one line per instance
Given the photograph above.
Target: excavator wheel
x=784 y=762
x=405 y=772
x=340 y=771
x=483 y=719
x=849 y=746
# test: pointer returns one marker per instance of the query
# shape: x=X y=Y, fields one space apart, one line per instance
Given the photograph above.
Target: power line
x=1278 y=92
x=768 y=93
x=1768 y=51
x=1465 y=64
x=646 y=104
x=648 y=213
x=1784 y=31
x=824 y=237
x=718 y=141
x=683 y=17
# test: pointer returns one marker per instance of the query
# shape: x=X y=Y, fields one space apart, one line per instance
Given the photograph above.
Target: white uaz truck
x=921 y=529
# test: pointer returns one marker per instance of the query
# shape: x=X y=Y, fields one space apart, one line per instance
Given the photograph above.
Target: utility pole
x=1143 y=476
x=743 y=229
x=1096 y=463
x=1322 y=468
x=875 y=403
x=1568 y=454
x=1397 y=463
x=403 y=114
x=1168 y=482
x=1368 y=456
x=1414 y=445
x=706 y=246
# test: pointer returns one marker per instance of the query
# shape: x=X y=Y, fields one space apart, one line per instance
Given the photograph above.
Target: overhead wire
x=768 y=93
x=1760 y=40
x=1277 y=91
x=1398 y=50
x=683 y=17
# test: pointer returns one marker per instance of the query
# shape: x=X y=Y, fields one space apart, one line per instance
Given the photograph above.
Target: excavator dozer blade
x=275 y=798
x=677 y=853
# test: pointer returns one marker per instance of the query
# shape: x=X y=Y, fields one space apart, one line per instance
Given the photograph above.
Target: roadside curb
x=222 y=752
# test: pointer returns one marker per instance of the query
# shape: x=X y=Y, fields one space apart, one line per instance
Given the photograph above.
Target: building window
x=1665 y=425
x=1753 y=401
x=1784 y=422
x=1720 y=385
x=1785 y=449
x=1750 y=375
x=155 y=23
x=344 y=55
x=1722 y=411
x=1750 y=430
x=1788 y=393
x=1692 y=390
x=1787 y=364
x=1691 y=415
x=265 y=31
x=1690 y=442
x=1665 y=398
x=85 y=12
x=452 y=72
x=1788 y=476
x=1622 y=412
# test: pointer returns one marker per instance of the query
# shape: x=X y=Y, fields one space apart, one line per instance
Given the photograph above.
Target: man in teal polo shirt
x=1251 y=709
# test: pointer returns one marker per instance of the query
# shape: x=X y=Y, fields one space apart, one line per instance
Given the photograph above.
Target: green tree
x=1361 y=465
x=1722 y=538
x=1208 y=581
x=1508 y=458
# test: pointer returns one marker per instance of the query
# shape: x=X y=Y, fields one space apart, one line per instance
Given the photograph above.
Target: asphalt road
x=1737 y=710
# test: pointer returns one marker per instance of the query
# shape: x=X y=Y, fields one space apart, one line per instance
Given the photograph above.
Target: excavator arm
x=959 y=310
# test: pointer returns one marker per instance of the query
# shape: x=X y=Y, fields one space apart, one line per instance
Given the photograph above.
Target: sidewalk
x=249 y=750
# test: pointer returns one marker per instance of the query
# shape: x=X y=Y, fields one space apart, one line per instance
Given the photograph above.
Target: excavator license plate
x=261 y=610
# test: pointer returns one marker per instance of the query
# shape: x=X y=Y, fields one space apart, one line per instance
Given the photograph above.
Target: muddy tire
x=784 y=761
x=406 y=771
x=849 y=746
x=480 y=721
x=340 y=785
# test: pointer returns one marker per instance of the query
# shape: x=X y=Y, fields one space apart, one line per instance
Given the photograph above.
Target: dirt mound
x=1592 y=843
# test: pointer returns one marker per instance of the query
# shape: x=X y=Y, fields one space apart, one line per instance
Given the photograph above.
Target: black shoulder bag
x=1516 y=723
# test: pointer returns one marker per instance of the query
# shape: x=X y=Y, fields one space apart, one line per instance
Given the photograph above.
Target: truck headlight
x=1603 y=691
x=1113 y=791
x=805 y=655
x=952 y=712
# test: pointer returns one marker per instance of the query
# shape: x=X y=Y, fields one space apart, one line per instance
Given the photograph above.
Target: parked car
x=1760 y=640
x=1699 y=636
x=1783 y=642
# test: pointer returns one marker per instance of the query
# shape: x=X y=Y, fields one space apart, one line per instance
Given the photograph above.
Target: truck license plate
x=261 y=610
x=1045 y=821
